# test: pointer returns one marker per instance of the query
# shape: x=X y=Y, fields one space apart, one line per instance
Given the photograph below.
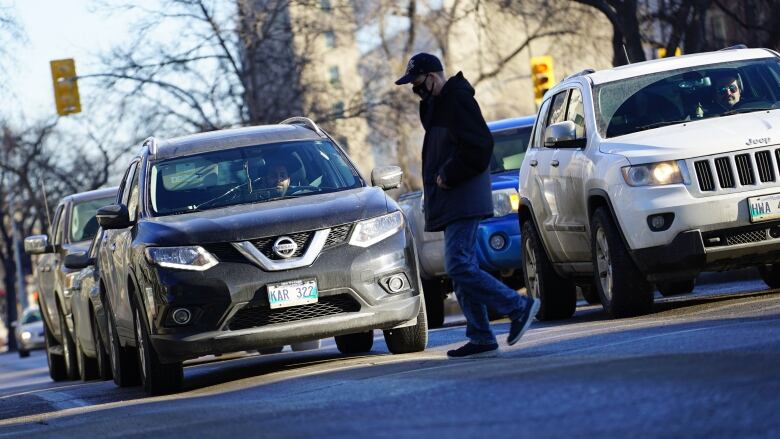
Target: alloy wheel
x=603 y=263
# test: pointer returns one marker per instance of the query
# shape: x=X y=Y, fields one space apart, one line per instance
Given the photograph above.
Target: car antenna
x=45 y=204
x=626 y=53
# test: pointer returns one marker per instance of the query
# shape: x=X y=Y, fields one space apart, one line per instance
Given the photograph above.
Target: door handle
x=555 y=163
x=533 y=163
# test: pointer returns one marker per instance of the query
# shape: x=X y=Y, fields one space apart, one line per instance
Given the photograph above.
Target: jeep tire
x=622 y=287
x=558 y=295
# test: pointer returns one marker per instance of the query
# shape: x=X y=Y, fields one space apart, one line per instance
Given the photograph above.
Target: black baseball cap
x=420 y=64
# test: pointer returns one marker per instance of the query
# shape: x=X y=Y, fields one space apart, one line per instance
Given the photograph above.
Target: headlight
x=184 y=258
x=656 y=174
x=369 y=232
x=505 y=201
x=26 y=335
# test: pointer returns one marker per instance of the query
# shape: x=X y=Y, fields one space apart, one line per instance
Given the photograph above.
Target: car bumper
x=507 y=257
x=230 y=310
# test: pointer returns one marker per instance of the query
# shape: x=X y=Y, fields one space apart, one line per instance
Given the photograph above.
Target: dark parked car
x=73 y=227
x=90 y=331
x=248 y=239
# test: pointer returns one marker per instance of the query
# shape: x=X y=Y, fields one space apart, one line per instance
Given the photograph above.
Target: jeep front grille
x=737 y=172
x=262 y=315
x=742 y=235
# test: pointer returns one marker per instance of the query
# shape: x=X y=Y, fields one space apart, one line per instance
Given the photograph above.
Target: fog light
x=395 y=283
x=497 y=242
x=660 y=222
x=181 y=316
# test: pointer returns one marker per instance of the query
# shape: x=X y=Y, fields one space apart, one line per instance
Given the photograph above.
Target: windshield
x=694 y=93
x=509 y=148
x=31 y=316
x=249 y=174
x=83 y=224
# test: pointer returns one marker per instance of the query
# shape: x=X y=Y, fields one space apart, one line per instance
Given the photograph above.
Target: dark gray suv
x=253 y=238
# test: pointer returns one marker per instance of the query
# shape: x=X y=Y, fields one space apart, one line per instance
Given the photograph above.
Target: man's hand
x=440 y=183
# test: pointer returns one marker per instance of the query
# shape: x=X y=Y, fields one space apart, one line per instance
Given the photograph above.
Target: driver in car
x=277 y=178
x=727 y=91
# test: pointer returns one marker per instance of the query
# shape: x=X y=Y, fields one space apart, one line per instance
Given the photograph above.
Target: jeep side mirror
x=387 y=177
x=37 y=244
x=78 y=260
x=113 y=216
x=563 y=135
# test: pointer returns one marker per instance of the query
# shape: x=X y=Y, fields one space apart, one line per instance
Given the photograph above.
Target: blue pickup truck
x=498 y=238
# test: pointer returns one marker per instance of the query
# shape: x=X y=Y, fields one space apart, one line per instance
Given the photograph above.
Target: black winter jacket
x=458 y=146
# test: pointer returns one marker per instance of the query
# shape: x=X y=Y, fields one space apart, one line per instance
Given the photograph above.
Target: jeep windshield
x=509 y=148
x=685 y=95
x=251 y=174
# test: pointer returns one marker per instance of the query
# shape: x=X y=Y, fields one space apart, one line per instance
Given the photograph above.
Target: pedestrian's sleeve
x=473 y=142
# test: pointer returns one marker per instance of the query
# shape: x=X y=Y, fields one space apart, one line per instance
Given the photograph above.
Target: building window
x=344 y=144
x=338 y=109
x=330 y=39
x=335 y=76
x=325 y=5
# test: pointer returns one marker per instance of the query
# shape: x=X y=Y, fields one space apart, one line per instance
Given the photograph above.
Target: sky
x=57 y=29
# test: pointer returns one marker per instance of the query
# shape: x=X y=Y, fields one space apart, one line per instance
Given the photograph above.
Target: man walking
x=456 y=156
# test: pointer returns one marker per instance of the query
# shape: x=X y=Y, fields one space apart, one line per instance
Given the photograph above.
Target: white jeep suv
x=649 y=174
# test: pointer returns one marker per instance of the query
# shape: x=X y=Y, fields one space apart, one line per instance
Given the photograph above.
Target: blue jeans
x=476 y=289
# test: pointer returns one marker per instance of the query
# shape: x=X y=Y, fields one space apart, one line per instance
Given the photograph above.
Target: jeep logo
x=759 y=141
x=285 y=247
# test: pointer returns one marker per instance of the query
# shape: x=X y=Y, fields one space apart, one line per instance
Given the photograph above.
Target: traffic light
x=543 y=75
x=66 y=89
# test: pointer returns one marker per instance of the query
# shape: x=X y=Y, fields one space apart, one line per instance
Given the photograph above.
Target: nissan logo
x=285 y=247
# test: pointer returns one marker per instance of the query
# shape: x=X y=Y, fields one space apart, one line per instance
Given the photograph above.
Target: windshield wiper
x=743 y=110
x=660 y=124
x=229 y=191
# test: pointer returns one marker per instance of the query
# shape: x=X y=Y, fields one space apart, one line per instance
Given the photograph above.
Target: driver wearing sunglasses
x=727 y=91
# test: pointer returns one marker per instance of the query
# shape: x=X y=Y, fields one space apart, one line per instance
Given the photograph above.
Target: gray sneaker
x=520 y=325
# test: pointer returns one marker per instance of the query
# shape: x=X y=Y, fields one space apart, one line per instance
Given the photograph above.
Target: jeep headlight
x=656 y=174
x=183 y=258
x=371 y=231
x=505 y=201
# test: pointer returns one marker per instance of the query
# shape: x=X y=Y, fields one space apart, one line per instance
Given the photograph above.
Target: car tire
x=269 y=351
x=56 y=362
x=668 y=289
x=69 y=353
x=102 y=357
x=87 y=366
x=411 y=338
x=23 y=353
x=124 y=365
x=434 y=294
x=355 y=343
x=590 y=293
x=156 y=378
x=622 y=287
x=770 y=274
x=558 y=295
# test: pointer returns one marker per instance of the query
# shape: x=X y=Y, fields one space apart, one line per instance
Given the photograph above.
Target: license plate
x=764 y=208
x=292 y=293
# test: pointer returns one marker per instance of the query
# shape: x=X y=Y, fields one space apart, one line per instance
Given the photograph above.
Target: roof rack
x=305 y=122
x=734 y=47
x=580 y=73
x=151 y=144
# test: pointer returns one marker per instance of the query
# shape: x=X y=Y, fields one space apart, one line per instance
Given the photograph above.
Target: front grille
x=338 y=235
x=742 y=235
x=747 y=237
x=265 y=245
x=225 y=252
x=733 y=172
x=256 y=316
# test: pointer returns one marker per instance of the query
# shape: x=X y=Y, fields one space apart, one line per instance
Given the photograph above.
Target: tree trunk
x=9 y=282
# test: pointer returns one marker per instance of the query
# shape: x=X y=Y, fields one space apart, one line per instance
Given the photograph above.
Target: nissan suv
x=251 y=239
x=650 y=173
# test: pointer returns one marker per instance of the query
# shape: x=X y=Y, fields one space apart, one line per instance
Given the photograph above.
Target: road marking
x=62 y=400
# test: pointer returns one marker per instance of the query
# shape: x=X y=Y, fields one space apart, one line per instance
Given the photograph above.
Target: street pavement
x=701 y=365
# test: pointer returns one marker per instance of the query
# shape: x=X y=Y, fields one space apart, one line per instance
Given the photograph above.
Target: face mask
x=421 y=90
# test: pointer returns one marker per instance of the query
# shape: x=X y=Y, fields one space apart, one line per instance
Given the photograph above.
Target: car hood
x=505 y=180
x=698 y=138
x=249 y=221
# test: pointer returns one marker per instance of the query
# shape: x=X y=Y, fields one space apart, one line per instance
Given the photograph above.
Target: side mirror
x=387 y=177
x=113 y=216
x=563 y=135
x=37 y=244
x=78 y=260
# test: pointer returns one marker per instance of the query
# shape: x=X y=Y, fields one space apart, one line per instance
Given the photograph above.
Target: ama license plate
x=292 y=293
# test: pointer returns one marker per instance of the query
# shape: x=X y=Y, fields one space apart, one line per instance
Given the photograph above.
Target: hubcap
x=603 y=263
x=141 y=347
x=530 y=268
